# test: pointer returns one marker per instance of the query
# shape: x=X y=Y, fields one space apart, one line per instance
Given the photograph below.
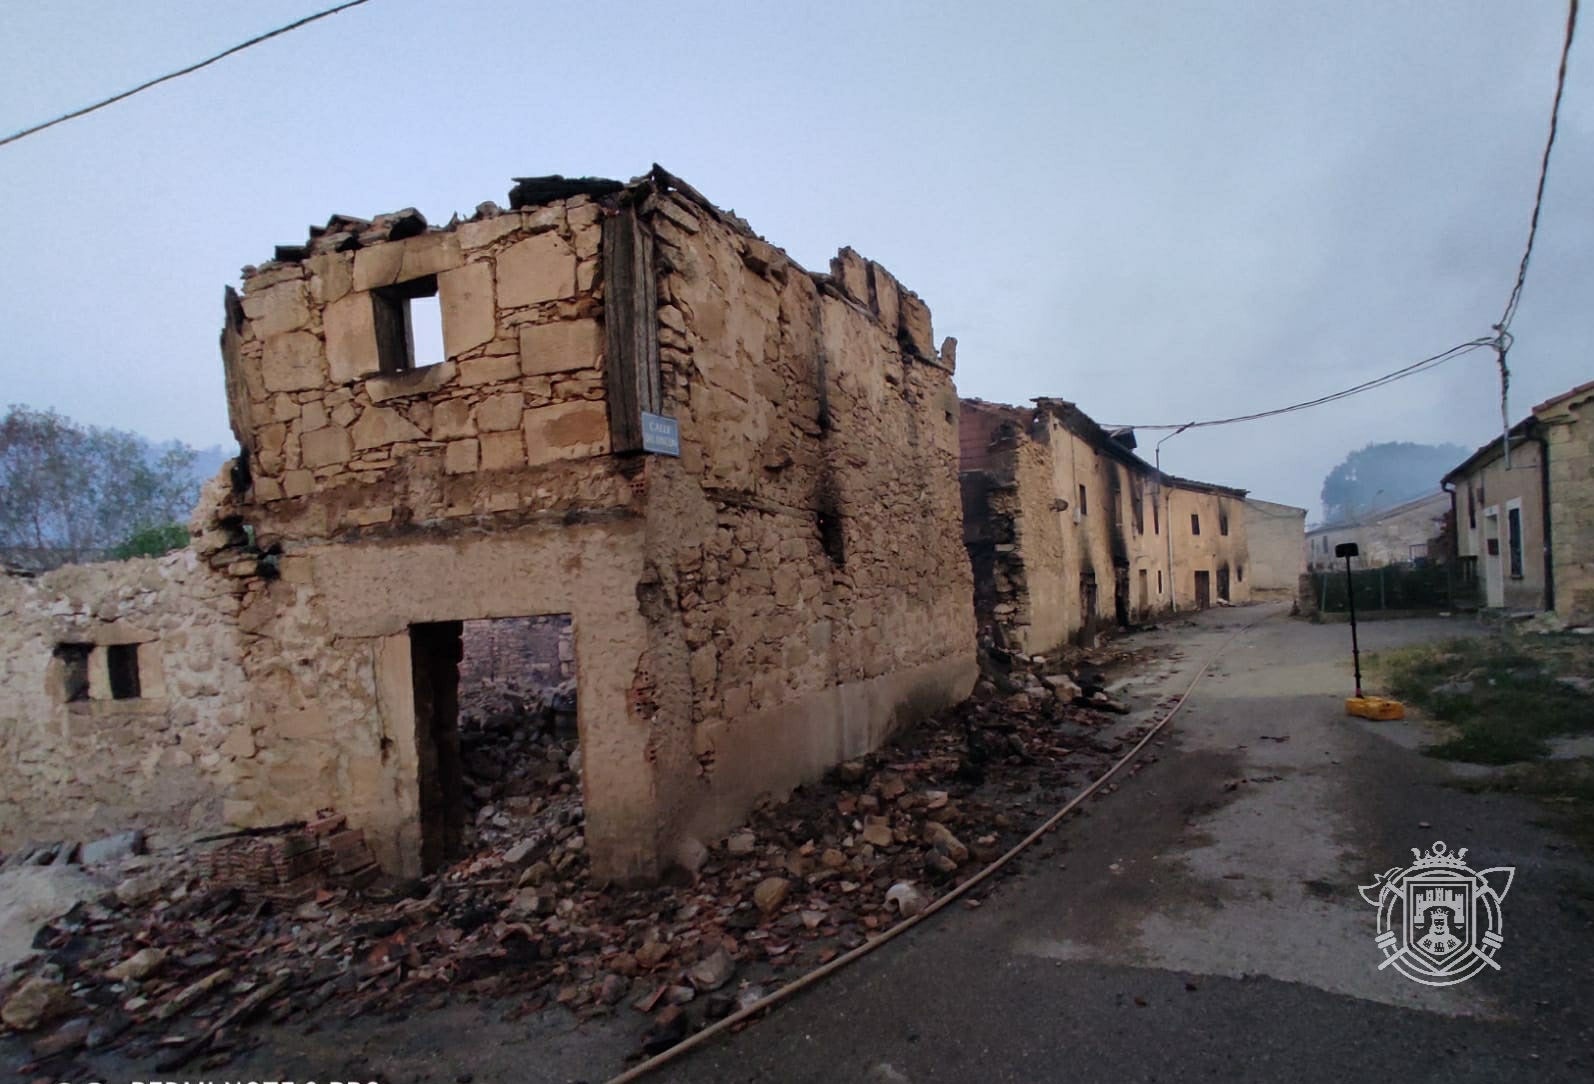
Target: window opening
x=409 y=325
x=1195 y=522
x=1513 y=526
x=74 y=671
x=122 y=661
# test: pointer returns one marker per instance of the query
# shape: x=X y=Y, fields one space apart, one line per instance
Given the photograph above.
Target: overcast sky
x=1160 y=211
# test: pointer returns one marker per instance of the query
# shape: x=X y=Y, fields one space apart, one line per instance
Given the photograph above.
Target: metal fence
x=1448 y=586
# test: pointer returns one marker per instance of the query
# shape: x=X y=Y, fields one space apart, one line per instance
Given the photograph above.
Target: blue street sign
x=660 y=435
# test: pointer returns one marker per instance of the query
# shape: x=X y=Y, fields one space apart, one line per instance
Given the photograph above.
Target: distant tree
x=1383 y=475
x=71 y=493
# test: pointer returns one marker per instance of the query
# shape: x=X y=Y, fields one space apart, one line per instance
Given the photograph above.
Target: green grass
x=1501 y=693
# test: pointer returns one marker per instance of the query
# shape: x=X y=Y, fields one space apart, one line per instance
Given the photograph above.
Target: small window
x=1513 y=526
x=1083 y=507
x=1156 y=517
x=74 y=671
x=122 y=661
x=409 y=325
x=1239 y=573
x=1159 y=581
x=1472 y=508
x=1195 y=522
x=1223 y=520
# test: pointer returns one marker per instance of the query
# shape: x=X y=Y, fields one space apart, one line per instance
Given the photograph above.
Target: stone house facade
x=1275 y=537
x=781 y=595
x=1069 y=532
x=121 y=688
x=1391 y=536
x=1529 y=529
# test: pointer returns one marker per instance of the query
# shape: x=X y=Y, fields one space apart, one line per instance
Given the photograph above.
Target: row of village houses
x=1517 y=516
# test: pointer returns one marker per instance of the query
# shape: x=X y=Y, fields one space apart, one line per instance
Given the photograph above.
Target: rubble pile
x=177 y=961
x=520 y=756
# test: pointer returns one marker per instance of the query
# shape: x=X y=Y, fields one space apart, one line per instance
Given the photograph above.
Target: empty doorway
x=499 y=753
x=1203 y=590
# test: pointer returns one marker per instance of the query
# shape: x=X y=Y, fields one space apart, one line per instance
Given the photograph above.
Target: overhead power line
x=1503 y=339
x=1544 y=172
x=308 y=19
x=1500 y=341
x=1431 y=362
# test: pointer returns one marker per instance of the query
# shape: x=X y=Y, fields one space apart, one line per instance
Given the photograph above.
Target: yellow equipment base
x=1375 y=708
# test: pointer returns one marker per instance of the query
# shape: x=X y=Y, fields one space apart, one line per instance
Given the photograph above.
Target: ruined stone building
x=1069 y=531
x=778 y=596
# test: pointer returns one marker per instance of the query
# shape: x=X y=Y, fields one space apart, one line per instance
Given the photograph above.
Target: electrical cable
x=803 y=982
x=113 y=99
x=1544 y=172
x=1500 y=342
x=1431 y=362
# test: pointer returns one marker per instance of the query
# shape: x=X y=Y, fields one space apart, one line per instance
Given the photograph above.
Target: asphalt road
x=1203 y=922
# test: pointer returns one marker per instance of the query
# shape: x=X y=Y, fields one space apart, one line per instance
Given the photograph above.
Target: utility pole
x=1167 y=514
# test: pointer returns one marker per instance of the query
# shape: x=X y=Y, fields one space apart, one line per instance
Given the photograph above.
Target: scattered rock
x=1063 y=687
x=612 y=988
x=878 y=832
x=741 y=843
x=851 y=771
x=524 y=851
x=669 y=1028
x=941 y=838
x=771 y=893
x=909 y=900
x=37 y=1001
x=113 y=848
x=68 y=1036
x=142 y=964
x=652 y=954
x=713 y=971
x=535 y=874
x=139 y=889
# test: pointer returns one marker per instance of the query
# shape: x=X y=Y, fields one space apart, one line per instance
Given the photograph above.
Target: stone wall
x=1395 y=536
x=81 y=751
x=780 y=597
x=1568 y=425
x=810 y=577
x=1065 y=525
x=1219 y=550
x=1275 y=537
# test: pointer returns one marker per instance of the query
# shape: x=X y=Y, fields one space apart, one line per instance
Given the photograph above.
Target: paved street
x=1197 y=925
